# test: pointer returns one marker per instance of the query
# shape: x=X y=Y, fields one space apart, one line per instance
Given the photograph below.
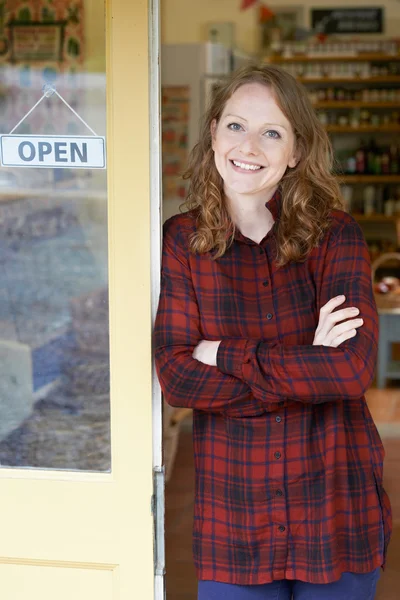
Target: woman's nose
x=250 y=145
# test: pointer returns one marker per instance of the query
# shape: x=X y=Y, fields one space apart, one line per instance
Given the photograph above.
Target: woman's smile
x=245 y=167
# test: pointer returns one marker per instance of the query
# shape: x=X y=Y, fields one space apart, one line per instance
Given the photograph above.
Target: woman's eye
x=234 y=127
x=273 y=134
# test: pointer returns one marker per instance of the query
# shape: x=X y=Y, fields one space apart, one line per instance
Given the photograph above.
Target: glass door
x=75 y=300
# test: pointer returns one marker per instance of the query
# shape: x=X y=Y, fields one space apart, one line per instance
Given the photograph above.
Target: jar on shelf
x=323 y=117
x=351 y=165
x=375 y=119
x=389 y=207
x=347 y=196
x=369 y=200
x=355 y=118
x=330 y=94
x=365 y=117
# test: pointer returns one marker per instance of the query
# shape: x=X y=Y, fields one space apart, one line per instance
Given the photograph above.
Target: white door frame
x=158 y=505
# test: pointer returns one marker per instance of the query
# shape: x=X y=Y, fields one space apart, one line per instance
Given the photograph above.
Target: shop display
x=369 y=159
x=341 y=48
x=354 y=86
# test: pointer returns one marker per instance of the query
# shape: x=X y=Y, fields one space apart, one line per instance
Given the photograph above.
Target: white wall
x=184 y=21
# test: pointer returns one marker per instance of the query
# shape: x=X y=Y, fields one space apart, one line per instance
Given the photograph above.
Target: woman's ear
x=213 y=129
x=295 y=158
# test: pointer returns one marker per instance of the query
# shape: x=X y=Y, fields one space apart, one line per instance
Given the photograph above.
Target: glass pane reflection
x=54 y=347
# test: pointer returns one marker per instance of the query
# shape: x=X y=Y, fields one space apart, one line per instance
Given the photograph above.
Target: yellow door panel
x=75 y=307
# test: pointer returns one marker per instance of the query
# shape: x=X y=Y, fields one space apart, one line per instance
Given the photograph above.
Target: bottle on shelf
x=361 y=162
x=390 y=207
x=394 y=159
x=385 y=163
x=369 y=200
x=372 y=152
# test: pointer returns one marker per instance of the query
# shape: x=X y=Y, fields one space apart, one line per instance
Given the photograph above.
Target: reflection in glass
x=54 y=347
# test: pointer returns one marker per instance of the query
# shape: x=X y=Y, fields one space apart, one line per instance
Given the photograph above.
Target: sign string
x=48 y=91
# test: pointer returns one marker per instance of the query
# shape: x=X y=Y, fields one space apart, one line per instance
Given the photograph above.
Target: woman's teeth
x=246 y=166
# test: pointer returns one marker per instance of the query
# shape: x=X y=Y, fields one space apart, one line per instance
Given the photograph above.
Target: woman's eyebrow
x=264 y=124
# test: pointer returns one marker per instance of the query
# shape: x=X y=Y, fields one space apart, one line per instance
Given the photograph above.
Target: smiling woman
x=267 y=328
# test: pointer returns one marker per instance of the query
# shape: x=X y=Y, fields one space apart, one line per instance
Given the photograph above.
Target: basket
x=389 y=302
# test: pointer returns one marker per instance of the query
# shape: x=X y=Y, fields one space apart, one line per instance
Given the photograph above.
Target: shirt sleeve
x=315 y=374
x=186 y=382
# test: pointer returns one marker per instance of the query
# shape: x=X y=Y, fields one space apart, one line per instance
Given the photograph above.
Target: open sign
x=53 y=151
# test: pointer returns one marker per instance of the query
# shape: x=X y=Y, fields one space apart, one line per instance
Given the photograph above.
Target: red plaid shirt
x=288 y=459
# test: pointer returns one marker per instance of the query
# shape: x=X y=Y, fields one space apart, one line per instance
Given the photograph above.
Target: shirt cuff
x=231 y=355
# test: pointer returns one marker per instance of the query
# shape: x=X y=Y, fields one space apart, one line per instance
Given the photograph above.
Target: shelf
x=366 y=129
x=375 y=218
x=376 y=79
x=337 y=58
x=353 y=104
x=369 y=178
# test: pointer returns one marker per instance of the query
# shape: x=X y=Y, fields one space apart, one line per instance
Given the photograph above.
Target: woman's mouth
x=245 y=167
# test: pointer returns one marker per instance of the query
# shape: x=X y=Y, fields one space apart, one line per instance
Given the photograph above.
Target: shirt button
x=281 y=403
x=265 y=283
x=278 y=419
x=269 y=316
x=281 y=528
x=261 y=250
x=279 y=493
x=277 y=455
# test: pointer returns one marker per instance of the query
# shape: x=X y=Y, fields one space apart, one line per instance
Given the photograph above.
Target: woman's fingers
x=332 y=304
x=343 y=337
x=336 y=326
x=328 y=320
x=343 y=329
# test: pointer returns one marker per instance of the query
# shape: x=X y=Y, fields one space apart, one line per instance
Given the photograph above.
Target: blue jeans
x=351 y=586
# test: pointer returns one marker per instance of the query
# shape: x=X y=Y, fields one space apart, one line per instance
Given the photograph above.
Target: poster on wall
x=35 y=42
x=47 y=32
x=347 y=20
x=175 y=129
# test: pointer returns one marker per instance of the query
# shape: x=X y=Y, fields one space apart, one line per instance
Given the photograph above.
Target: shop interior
x=350 y=65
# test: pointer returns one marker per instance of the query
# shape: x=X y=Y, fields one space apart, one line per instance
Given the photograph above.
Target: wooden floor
x=181 y=579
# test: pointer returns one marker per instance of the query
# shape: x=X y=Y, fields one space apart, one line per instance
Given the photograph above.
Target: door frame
x=158 y=504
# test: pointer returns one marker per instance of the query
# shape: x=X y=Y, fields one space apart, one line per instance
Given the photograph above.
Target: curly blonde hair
x=309 y=190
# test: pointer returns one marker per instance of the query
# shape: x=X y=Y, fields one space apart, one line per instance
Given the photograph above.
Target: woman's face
x=253 y=142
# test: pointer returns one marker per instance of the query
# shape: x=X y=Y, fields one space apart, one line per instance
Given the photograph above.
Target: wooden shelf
x=338 y=58
x=353 y=104
x=369 y=178
x=365 y=129
x=375 y=218
x=376 y=79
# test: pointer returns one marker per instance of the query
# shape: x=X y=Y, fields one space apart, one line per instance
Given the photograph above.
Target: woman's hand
x=328 y=332
x=206 y=352
x=331 y=331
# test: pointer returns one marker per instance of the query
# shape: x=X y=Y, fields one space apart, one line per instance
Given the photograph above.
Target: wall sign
x=347 y=20
x=52 y=151
x=37 y=41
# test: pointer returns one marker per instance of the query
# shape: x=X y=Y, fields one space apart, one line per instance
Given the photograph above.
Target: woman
x=267 y=328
